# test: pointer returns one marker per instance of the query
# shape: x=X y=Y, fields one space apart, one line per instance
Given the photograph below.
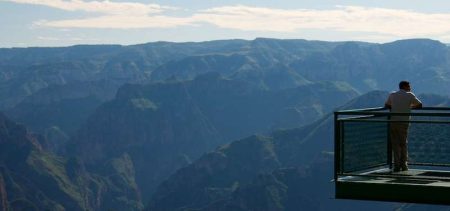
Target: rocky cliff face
x=226 y=168
x=58 y=111
x=164 y=126
x=3 y=195
x=34 y=179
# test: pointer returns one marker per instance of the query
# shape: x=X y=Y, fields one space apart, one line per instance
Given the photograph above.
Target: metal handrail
x=383 y=111
x=362 y=109
x=404 y=121
x=384 y=108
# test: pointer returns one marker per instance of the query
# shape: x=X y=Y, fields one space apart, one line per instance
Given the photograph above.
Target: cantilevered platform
x=414 y=185
x=363 y=158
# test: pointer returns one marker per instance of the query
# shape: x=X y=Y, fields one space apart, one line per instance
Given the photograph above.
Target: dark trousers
x=399 y=143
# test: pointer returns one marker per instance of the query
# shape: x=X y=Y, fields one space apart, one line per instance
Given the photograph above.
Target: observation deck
x=363 y=156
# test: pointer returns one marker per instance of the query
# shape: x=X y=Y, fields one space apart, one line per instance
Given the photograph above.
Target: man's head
x=404 y=85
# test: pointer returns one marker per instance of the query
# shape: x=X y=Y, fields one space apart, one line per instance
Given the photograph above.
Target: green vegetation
x=143 y=103
x=53 y=168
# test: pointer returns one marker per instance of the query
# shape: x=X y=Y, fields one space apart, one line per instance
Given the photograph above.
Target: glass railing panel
x=429 y=141
x=364 y=144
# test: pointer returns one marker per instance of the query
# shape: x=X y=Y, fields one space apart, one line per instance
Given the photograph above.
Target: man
x=401 y=101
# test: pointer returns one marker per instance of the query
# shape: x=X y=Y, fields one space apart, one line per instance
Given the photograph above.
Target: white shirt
x=401 y=101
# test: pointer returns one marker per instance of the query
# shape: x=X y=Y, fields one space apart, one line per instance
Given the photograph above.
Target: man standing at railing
x=401 y=101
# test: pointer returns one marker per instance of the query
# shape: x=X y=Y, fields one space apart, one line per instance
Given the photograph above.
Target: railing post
x=388 y=141
x=337 y=146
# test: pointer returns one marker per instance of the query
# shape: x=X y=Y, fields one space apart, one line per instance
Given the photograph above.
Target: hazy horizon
x=58 y=23
x=204 y=41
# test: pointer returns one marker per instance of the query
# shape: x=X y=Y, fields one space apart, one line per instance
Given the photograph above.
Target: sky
x=30 y=23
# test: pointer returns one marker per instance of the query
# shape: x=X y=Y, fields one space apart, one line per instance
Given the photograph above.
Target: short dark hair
x=403 y=84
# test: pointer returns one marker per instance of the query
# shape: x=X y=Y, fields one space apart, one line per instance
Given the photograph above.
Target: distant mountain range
x=268 y=63
x=152 y=125
x=90 y=75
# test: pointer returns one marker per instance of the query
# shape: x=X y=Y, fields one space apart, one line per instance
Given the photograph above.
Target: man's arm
x=388 y=103
x=416 y=103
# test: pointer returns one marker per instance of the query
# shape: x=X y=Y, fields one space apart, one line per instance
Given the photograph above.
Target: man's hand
x=387 y=106
x=417 y=106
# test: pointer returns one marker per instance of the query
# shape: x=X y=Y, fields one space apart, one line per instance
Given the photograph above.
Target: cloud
x=105 y=7
x=118 y=22
x=394 y=22
x=378 y=22
x=48 y=38
x=65 y=38
x=112 y=15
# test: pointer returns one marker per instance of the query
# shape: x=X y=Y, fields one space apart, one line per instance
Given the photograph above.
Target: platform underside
x=415 y=186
